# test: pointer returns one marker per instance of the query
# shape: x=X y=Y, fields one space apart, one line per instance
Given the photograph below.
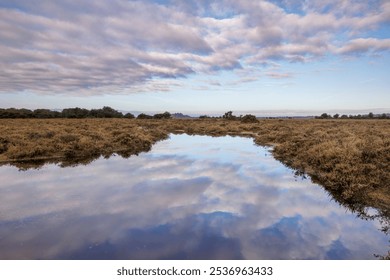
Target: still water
x=191 y=197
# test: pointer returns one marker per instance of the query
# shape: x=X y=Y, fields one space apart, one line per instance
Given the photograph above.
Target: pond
x=191 y=197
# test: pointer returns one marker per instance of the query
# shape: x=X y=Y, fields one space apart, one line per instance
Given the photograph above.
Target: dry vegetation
x=350 y=158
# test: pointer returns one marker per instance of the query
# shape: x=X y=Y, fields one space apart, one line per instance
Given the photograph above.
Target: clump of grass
x=67 y=138
x=3 y=145
x=36 y=135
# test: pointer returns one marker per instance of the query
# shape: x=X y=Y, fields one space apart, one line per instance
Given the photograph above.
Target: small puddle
x=191 y=197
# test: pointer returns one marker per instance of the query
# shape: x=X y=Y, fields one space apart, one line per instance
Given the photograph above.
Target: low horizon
x=257 y=113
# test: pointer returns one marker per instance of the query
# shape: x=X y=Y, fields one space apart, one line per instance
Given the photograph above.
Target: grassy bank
x=350 y=158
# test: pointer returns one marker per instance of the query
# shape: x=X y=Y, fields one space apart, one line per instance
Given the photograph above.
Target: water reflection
x=191 y=197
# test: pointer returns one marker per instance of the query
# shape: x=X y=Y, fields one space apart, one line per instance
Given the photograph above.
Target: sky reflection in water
x=191 y=197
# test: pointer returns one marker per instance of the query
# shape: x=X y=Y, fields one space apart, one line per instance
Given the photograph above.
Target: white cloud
x=126 y=46
x=364 y=45
x=278 y=75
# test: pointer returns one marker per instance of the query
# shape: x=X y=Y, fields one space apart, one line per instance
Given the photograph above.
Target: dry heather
x=72 y=140
x=350 y=158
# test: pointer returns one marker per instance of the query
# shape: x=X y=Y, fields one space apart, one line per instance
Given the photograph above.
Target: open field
x=349 y=158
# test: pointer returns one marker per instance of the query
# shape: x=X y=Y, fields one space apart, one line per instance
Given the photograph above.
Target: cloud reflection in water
x=191 y=197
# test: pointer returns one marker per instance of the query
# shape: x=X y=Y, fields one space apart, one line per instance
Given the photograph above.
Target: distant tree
x=105 y=112
x=336 y=116
x=16 y=113
x=325 y=116
x=129 y=116
x=144 y=116
x=45 y=114
x=4 y=113
x=204 y=117
x=96 y=113
x=165 y=115
x=370 y=115
x=111 y=113
x=75 y=113
x=344 y=117
x=9 y=113
x=25 y=113
x=249 y=119
x=229 y=116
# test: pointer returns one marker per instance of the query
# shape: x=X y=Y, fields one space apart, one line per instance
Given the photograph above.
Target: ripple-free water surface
x=191 y=197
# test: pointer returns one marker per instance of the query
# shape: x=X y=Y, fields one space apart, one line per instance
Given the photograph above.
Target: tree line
x=108 y=112
x=359 y=116
x=230 y=117
x=74 y=113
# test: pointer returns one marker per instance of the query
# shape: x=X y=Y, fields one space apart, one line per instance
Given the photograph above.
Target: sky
x=263 y=57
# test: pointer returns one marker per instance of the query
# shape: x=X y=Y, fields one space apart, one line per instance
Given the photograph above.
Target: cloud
x=121 y=47
x=364 y=45
x=278 y=75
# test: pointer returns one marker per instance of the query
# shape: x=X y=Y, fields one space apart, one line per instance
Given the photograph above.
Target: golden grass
x=349 y=158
